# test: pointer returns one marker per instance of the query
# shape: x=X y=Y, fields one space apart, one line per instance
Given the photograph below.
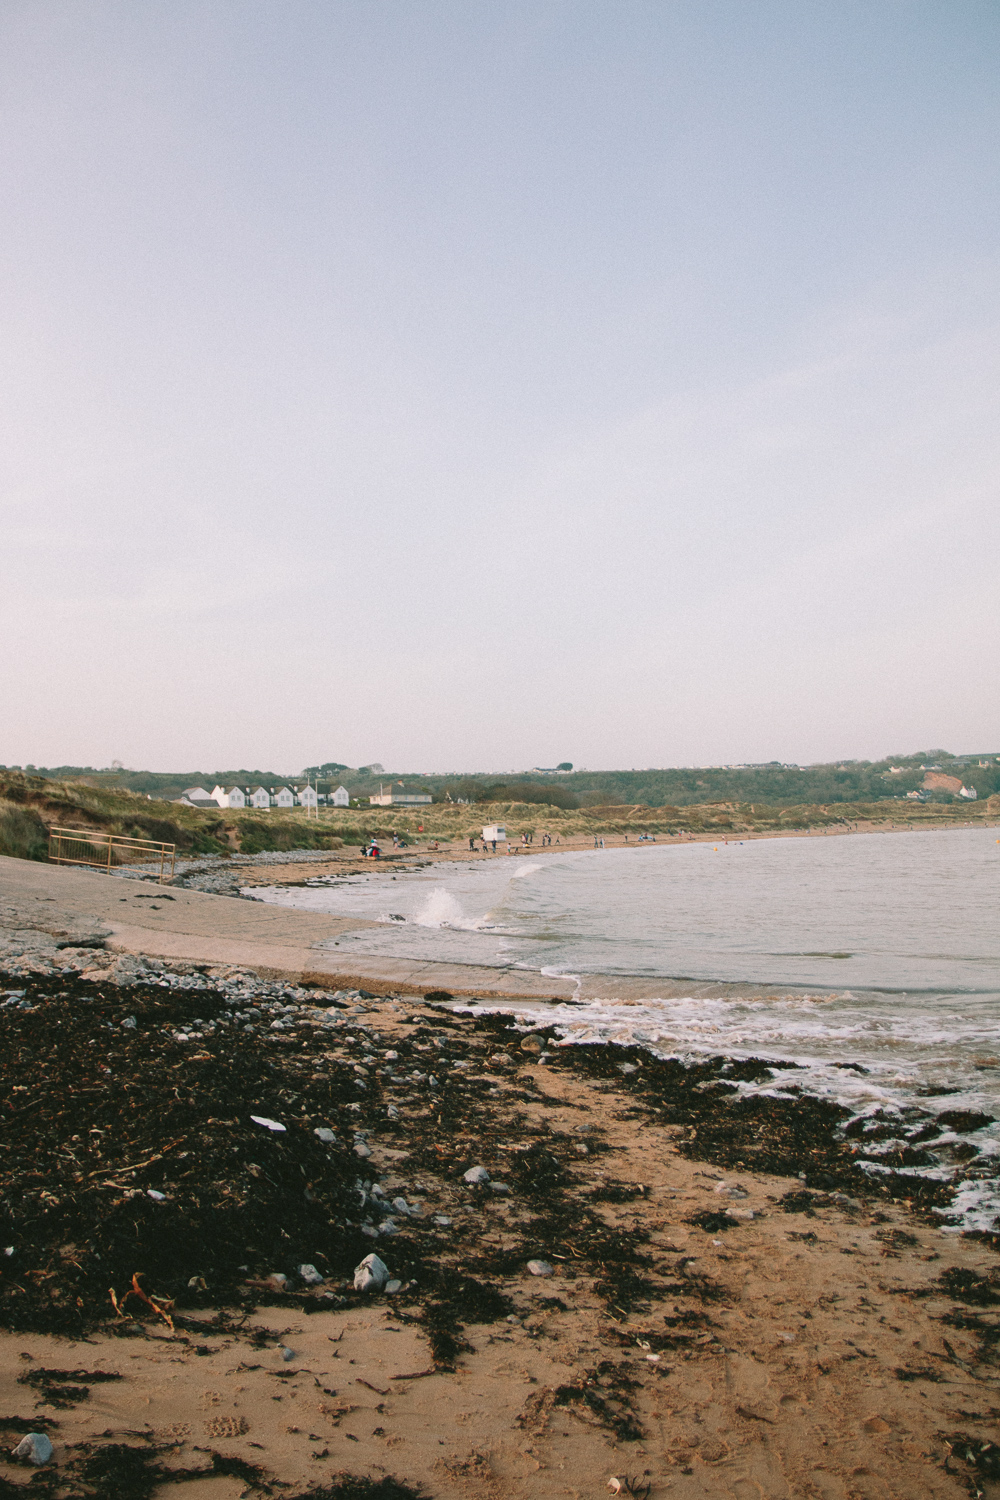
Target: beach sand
x=822 y=1347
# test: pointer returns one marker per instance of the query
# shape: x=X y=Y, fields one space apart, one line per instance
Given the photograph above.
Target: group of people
x=490 y=845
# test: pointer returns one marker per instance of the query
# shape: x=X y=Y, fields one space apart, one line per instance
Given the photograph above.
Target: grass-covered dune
x=31 y=805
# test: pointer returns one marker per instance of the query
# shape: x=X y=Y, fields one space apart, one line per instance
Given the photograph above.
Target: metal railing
x=109 y=851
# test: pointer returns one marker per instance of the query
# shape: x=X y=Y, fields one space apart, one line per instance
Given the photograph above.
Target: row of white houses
x=262 y=798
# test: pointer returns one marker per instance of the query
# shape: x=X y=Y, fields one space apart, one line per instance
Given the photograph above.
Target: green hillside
x=775 y=784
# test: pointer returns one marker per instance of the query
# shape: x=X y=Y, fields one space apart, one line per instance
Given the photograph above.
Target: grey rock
x=287 y=1354
x=476 y=1176
x=360 y=1149
x=326 y=1136
x=371 y=1275
x=540 y=1268
x=310 y=1275
x=34 y=1448
x=500 y=1187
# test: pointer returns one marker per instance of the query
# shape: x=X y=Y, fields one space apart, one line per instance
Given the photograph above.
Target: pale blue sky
x=478 y=386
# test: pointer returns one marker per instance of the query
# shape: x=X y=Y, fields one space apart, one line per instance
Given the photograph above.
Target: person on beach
x=494 y=842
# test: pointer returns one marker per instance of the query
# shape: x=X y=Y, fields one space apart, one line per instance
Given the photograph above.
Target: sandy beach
x=724 y=1311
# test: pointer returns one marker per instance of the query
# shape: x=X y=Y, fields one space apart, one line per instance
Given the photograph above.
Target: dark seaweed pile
x=94 y=1114
x=809 y=1138
x=122 y=1471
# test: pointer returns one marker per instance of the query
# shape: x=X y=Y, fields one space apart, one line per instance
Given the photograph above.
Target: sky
x=476 y=387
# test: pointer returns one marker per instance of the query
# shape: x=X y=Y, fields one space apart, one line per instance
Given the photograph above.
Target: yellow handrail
x=108 y=851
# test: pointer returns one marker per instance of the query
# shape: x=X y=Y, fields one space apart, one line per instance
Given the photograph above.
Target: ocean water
x=869 y=962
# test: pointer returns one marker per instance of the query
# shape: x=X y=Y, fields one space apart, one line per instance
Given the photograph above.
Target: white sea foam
x=441 y=909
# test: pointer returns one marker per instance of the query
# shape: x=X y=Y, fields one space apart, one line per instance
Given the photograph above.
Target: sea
x=869 y=964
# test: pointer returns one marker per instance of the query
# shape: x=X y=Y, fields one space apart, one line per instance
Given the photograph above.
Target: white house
x=283 y=797
x=261 y=798
x=399 y=799
x=495 y=832
x=969 y=793
x=306 y=797
x=228 y=796
x=340 y=798
x=196 y=796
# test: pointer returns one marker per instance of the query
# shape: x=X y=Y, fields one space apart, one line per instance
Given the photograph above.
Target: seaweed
x=64 y=1388
x=134 y=1154
x=968 y=1286
x=981 y=1457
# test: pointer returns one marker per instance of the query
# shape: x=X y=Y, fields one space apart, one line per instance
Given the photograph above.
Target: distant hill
x=774 y=784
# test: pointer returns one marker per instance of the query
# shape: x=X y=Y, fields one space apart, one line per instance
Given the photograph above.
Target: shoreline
x=208 y=928
x=458 y=850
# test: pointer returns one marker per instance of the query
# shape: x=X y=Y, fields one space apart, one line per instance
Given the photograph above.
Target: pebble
x=476 y=1176
x=732 y=1190
x=401 y=1206
x=34 y=1448
x=442 y=1222
x=310 y=1275
x=371 y=1275
x=277 y=1281
x=360 y=1149
x=286 y=1353
x=531 y=1044
x=392 y=1287
x=392 y=1112
x=267 y=1124
x=540 y=1268
x=388 y=1226
x=157 y=1197
x=500 y=1187
x=326 y=1136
